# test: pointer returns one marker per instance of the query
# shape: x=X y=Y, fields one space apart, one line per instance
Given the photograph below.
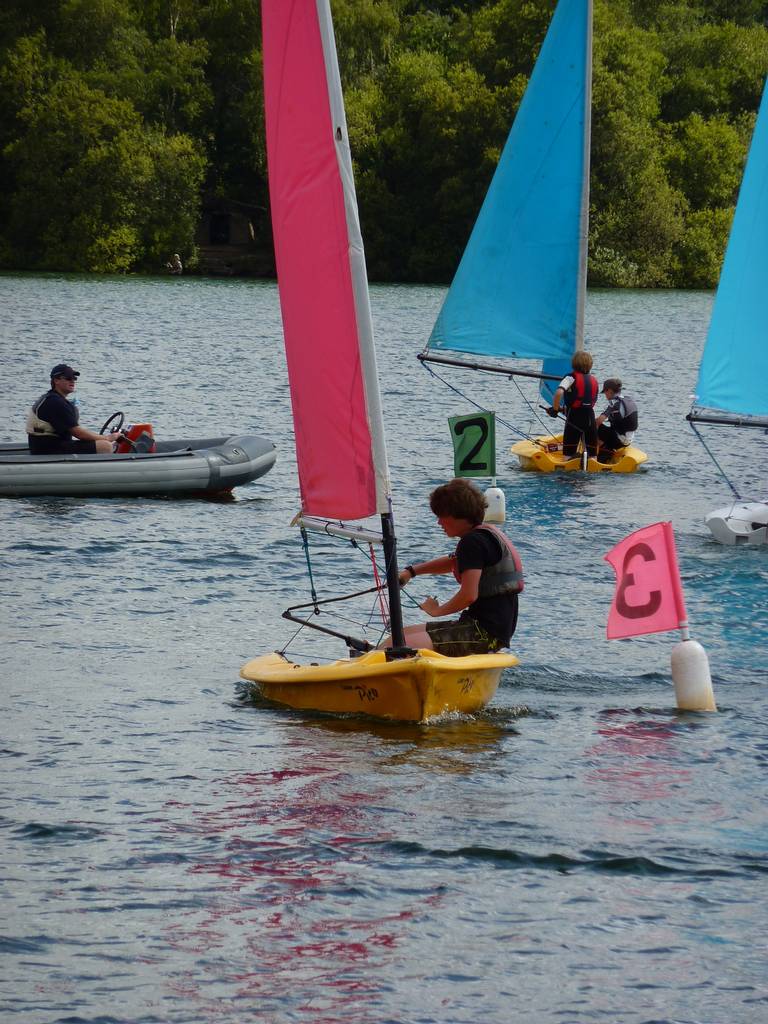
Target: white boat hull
x=740 y=523
x=211 y=466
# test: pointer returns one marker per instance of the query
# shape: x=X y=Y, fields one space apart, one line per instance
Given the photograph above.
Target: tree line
x=117 y=117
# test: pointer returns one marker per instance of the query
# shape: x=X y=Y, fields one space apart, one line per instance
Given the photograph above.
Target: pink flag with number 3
x=649 y=595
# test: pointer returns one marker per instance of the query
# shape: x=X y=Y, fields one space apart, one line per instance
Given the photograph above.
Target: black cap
x=64 y=370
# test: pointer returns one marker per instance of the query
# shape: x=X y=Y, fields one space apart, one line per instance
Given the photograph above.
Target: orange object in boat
x=133 y=433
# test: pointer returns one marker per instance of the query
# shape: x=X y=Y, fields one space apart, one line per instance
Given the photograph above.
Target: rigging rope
x=383 y=609
x=543 y=427
x=717 y=464
x=477 y=405
x=305 y=542
x=532 y=409
x=380 y=602
x=288 y=642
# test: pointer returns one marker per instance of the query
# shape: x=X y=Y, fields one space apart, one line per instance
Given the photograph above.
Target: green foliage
x=235 y=130
x=117 y=116
x=170 y=202
x=92 y=184
x=699 y=252
x=637 y=213
x=365 y=32
x=502 y=39
x=716 y=69
x=706 y=160
x=79 y=173
x=439 y=119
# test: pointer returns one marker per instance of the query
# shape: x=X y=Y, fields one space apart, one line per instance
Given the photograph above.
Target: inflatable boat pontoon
x=208 y=467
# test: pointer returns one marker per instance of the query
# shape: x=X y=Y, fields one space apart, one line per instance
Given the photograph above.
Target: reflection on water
x=648 y=772
x=636 y=760
x=295 y=888
x=446 y=746
x=450 y=743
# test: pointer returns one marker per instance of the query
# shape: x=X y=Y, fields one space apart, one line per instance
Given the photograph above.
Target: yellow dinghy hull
x=408 y=689
x=545 y=455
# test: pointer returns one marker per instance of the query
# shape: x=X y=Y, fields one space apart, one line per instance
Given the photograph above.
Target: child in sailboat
x=577 y=394
x=617 y=423
x=487 y=568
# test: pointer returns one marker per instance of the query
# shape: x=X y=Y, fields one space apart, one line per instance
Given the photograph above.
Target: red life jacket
x=583 y=394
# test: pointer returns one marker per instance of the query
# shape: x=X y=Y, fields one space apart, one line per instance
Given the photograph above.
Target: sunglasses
x=65 y=376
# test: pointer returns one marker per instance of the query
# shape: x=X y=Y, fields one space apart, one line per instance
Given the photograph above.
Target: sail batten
x=327 y=325
x=734 y=366
x=519 y=289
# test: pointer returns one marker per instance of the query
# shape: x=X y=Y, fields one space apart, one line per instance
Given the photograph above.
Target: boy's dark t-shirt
x=497 y=615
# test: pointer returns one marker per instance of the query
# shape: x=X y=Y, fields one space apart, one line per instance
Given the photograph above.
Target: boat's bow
x=743 y=522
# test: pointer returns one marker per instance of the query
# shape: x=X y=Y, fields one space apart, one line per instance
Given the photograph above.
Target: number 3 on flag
x=649 y=595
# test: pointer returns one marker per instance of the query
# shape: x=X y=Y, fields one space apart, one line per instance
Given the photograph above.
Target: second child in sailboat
x=617 y=423
x=488 y=569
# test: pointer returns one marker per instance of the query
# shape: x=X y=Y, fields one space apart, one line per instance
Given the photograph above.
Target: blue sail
x=734 y=367
x=519 y=289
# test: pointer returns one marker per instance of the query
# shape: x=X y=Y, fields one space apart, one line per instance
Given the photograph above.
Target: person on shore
x=577 y=394
x=53 y=421
x=175 y=265
x=617 y=423
x=487 y=568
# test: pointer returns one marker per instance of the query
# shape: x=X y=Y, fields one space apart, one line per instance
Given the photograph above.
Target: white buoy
x=690 y=674
x=496 y=511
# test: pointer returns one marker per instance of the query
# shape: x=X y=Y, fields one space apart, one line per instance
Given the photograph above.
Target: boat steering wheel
x=119 y=416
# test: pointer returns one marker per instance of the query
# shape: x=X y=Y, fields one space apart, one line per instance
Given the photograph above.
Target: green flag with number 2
x=474 y=444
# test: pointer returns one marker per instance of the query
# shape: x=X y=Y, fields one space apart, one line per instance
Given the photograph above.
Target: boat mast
x=581 y=292
x=362 y=302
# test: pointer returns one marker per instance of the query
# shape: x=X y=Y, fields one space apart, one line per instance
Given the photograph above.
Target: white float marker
x=496 y=511
x=649 y=599
x=690 y=674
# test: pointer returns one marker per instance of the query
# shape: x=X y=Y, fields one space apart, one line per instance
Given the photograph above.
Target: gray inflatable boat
x=208 y=467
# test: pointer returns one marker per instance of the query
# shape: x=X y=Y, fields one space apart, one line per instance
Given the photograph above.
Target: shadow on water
x=454 y=743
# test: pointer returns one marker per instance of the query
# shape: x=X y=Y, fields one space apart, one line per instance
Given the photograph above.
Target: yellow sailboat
x=413 y=689
x=520 y=288
x=545 y=455
x=338 y=421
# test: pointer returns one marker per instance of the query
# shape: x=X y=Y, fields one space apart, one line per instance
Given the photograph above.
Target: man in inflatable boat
x=53 y=421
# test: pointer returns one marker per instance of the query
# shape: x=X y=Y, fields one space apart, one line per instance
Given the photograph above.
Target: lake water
x=175 y=852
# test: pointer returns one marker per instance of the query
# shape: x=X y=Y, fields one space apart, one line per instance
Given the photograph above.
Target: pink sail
x=649 y=595
x=319 y=254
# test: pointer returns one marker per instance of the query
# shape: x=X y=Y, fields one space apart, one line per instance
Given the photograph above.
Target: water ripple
x=178 y=851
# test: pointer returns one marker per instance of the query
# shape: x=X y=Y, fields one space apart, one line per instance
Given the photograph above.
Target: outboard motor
x=138 y=439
